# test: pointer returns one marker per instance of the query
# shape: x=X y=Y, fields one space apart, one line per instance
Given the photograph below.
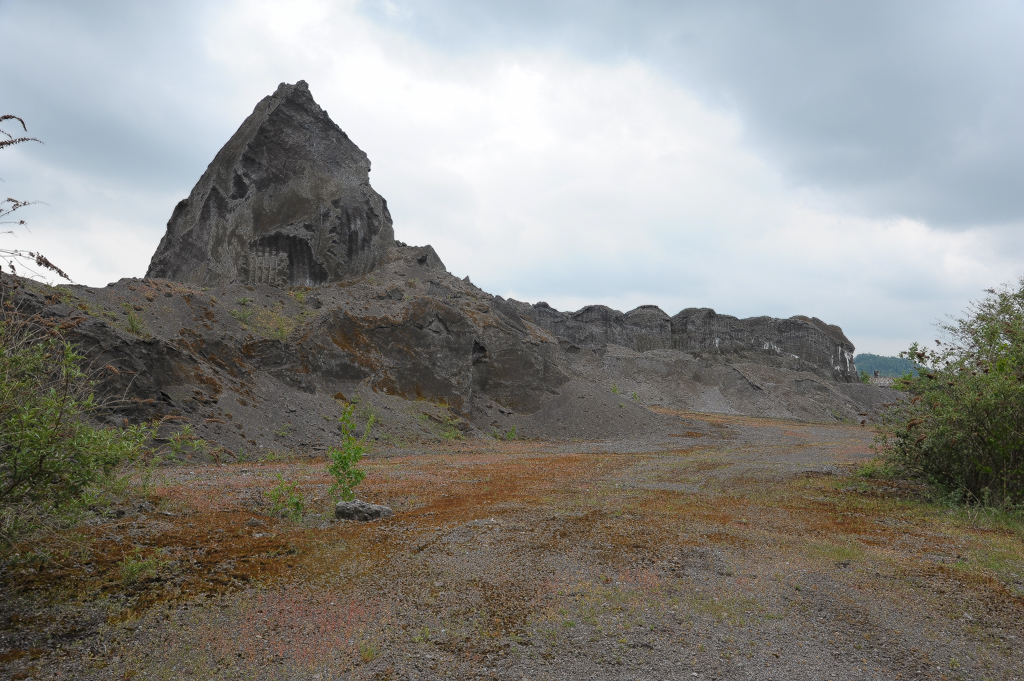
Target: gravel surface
x=724 y=548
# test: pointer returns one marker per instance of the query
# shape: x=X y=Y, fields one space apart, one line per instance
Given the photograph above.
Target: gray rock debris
x=361 y=511
x=286 y=202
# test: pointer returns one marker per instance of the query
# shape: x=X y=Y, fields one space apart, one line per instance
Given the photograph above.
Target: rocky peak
x=286 y=202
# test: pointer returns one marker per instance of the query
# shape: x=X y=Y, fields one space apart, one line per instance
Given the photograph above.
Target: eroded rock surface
x=286 y=202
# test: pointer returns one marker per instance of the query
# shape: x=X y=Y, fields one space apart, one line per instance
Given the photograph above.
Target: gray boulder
x=361 y=511
x=286 y=202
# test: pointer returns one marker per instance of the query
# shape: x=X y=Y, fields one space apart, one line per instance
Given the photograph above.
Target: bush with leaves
x=962 y=429
x=51 y=451
x=343 y=459
x=286 y=499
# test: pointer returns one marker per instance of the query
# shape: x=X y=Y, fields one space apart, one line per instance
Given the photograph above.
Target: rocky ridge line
x=798 y=343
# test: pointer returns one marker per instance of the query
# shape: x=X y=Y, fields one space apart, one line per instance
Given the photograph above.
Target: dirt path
x=738 y=548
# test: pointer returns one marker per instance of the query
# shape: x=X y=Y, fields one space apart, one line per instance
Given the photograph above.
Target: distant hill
x=885 y=366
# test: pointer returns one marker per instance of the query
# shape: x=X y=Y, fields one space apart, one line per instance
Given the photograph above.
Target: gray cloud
x=569 y=152
x=893 y=108
x=113 y=88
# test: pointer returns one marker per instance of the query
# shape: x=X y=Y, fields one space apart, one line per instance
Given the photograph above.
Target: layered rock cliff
x=798 y=343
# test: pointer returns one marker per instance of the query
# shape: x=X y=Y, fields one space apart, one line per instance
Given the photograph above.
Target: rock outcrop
x=286 y=202
x=798 y=343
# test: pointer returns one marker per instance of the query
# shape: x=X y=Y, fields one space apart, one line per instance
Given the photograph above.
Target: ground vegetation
x=733 y=548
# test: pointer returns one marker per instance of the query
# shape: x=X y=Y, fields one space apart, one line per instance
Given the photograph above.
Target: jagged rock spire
x=287 y=202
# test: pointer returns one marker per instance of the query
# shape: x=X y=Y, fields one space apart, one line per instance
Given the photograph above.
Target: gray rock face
x=286 y=202
x=799 y=343
x=361 y=511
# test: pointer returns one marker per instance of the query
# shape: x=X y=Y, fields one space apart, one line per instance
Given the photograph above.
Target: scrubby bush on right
x=962 y=428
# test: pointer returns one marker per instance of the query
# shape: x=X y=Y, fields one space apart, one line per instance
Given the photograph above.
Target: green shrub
x=450 y=428
x=134 y=567
x=876 y=470
x=51 y=452
x=369 y=651
x=286 y=498
x=343 y=459
x=133 y=323
x=185 y=439
x=135 y=326
x=243 y=315
x=962 y=429
x=507 y=435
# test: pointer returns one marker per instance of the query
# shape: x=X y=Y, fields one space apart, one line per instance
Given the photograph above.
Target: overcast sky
x=862 y=162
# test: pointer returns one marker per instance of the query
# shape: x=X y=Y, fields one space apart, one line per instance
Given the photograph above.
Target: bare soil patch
x=733 y=548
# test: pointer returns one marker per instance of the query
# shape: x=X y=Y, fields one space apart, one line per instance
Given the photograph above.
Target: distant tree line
x=892 y=367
